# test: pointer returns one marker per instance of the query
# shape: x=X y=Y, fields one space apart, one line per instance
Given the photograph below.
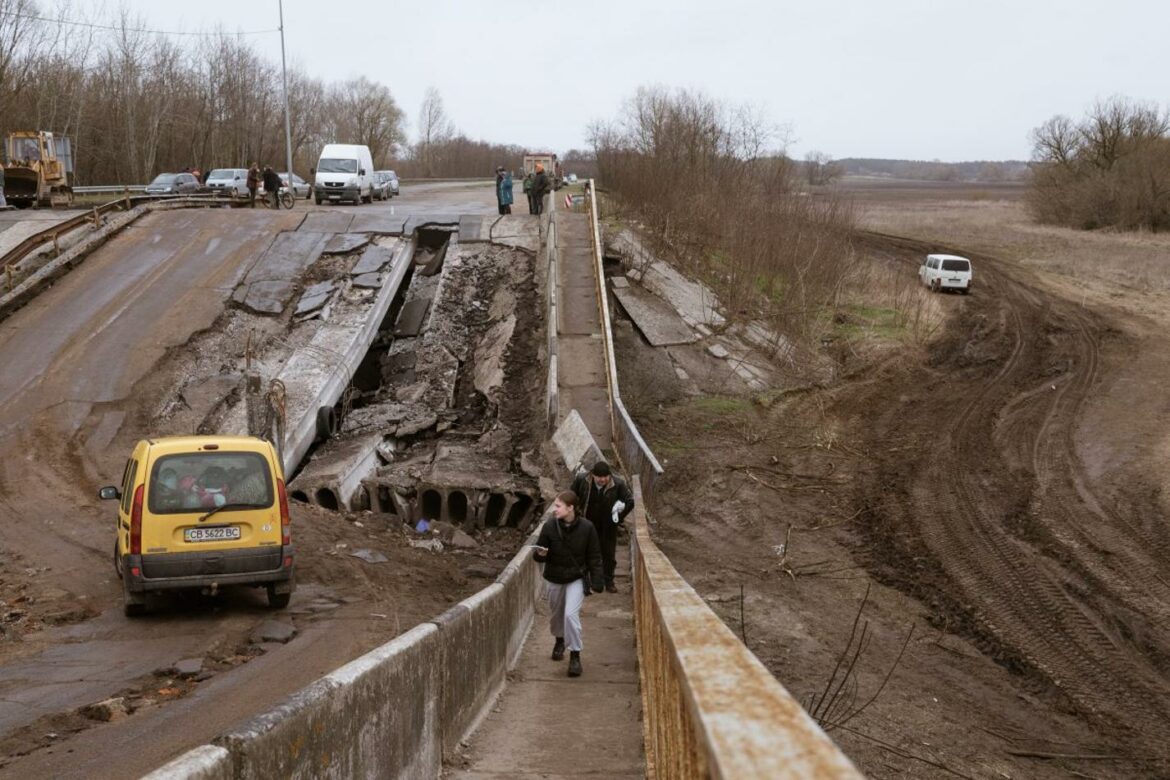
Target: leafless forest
x=703 y=177
x=138 y=102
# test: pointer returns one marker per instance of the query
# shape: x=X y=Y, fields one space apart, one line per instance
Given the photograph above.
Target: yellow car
x=202 y=512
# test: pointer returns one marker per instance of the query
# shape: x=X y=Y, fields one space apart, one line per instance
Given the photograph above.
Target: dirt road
x=999 y=491
x=81 y=364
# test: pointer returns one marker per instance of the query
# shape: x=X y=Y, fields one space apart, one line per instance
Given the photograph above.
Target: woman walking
x=571 y=554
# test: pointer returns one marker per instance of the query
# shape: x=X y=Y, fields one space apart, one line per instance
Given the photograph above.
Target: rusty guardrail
x=710 y=708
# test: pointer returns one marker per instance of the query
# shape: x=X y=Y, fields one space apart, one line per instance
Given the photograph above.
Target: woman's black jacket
x=571 y=550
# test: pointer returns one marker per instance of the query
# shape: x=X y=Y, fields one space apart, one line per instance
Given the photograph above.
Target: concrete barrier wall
x=375 y=717
x=397 y=711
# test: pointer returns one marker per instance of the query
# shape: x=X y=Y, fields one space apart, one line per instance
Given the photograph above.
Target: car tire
x=133 y=604
x=318 y=201
x=277 y=600
x=935 y=286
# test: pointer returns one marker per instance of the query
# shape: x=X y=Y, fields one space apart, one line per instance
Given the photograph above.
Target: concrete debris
x=314 y=298
x=530 y=464
x=489 y=356
x=326 y=222
x=718 y=350
x=575 y=443
x=434 y=545
x=369 y=556
x=658 y=322
x=368 y=281
x=345 y=243
x=271 y=282
x=273 y=631
x=463 y=541
x=188 y=667
x=374 y=258
x=473 y=228
x=107 y=710
x=619 y=282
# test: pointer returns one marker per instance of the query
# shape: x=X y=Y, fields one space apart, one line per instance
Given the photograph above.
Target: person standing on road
x=499 y=190
x=604 y=500
x=272 y=186
x=528 y=191
x=253 y=183
x=506 y=193
x=3 y=202
x=540 y=188
x=571 y=554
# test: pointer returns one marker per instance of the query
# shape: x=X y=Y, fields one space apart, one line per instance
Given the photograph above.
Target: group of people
x=271 y=181
x=536 y=186
x=578 y=547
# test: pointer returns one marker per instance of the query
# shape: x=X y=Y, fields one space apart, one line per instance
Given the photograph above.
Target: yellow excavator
x=38 y=169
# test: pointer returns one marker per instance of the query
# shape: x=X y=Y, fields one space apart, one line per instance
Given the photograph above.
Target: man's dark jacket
x=540 y=185
x=571 y=549
x=599 y=509
x=271 y=182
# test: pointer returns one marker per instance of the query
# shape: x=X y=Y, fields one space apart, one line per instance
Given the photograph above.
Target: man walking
x=604 y=499
x=272 y=185
x=253 y=183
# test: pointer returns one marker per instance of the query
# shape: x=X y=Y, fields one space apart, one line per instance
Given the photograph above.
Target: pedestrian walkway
x=580 y=349
x=547 y=724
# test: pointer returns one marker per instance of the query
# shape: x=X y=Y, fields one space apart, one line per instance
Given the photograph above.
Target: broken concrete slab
x=273 y=631
x=432 y=262
x=489 y=356
x=374 y=258
x=440 y=221
x=314 y=298
x=368 y=281
x=382 y=224
x=521 y=231
x=334 y=475
x=411 y=318
x=268 y=297
x=271 y=282
x=345 y=243
x=474 y=228
x=326 y=222
x=718 y=350
x=575 y=443
x=617 y=282
x=654 y=317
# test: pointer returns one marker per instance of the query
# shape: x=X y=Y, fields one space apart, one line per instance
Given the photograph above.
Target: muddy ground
x=979 y=517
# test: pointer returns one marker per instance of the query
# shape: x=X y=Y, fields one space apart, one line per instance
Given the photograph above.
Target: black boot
x=574 y=663
x=559 y=649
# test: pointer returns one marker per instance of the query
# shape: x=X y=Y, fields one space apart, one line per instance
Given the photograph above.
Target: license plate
x=214 y=534
x=334 y=197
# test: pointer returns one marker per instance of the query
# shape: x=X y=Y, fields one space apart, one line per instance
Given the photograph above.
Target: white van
x=344 y=172
x=946 y=272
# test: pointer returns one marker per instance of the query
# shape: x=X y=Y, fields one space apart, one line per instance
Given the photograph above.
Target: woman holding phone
x=571 y=553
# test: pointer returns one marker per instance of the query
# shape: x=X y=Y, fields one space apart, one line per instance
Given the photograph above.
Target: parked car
x=174 y=184
x=300 y=187
x=202 y=512
x=946 y=272
x=571 y=178
x=381 y=186
x=228 y=181
x=393 y=178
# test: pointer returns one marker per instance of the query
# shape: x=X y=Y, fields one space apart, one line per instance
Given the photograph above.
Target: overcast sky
x=919 y=79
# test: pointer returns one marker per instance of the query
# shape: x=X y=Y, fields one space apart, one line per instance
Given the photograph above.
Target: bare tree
x=434 y=129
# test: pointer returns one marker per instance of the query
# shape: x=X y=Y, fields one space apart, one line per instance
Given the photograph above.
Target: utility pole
x=287 y=122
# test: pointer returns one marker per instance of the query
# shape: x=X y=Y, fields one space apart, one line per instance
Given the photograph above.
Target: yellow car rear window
x=199 y=481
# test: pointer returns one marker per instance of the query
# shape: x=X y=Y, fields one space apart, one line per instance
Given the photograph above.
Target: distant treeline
x=137 y=103
x=977 y=170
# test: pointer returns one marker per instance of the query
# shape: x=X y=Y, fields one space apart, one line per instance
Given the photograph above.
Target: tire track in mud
x=1001 y=502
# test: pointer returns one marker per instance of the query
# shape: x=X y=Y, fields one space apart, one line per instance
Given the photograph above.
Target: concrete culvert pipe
x=432 y=505
x=299 y=495
x=494 y=515
x=328 y=499
x=519 y=510
x=457 y=507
